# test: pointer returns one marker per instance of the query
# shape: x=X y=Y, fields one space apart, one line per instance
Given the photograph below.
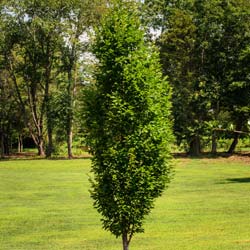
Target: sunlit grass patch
x=45 y=204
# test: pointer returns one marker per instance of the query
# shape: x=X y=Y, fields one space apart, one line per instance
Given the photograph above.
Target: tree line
x=41 y=70
x=46 y=62
x=204 y=49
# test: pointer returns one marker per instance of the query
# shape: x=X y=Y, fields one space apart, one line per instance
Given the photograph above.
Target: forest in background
x=46 y=62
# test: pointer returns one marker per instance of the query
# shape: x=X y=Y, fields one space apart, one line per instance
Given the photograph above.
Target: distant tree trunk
x=20 y=144
x=6 y=141
x=47 y=102
x=49 y=150
x=72 y=79
x=71 y=95
x=216 y=115
x=234 y=143
x=69 y=142
x=195 y=146
x=37 y=133
x=70 y=116
x=10 y=145
x=125 y=241
x=40 y=147
x=214 y=143
x=2 y=144
x=39 y=140
x=235 y=139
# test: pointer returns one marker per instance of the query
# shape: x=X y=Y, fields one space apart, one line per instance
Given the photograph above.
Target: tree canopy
x=203 y=45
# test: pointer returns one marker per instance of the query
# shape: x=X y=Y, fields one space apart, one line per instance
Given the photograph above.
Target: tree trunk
x=214 y=143
x=125 y=241
x=234 y=143
x=71 y=95
x=49 y=150
x=11 y=145
x=195 y=146
x=236 y=139
x=20 y=144
x=41 y=148
x=6 y=144
x=47 y=101
x=69 y=142
x=2 y=145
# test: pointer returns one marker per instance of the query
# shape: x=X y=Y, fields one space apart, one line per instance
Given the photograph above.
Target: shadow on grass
x=203 y=155
x=35 y=157
x=238 y=180
x=66 y=158
x=208 y=155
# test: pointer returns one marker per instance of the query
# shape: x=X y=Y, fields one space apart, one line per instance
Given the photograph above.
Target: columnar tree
x=127 y=114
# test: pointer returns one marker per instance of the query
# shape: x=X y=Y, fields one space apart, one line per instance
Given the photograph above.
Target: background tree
x=30 y=57
x=77 y=24
x=180 y=62
x=202 y=44
x=127 y=123
x=236 y=86
x=44 y=43
x=11 y=115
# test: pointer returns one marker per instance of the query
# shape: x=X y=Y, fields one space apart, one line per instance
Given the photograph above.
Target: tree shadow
x=66 y=158
x=239 y=180
x=209 y=155
x=35 y=157
x=203 y=155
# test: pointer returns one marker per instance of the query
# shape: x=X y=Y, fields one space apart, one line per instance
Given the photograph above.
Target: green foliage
x=127 y=115
x=41 y=49
x=204 y=49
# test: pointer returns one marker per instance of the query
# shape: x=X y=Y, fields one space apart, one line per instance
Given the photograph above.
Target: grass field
x=45 y=205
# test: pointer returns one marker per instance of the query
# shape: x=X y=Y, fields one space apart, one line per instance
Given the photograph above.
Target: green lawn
x=45 y=205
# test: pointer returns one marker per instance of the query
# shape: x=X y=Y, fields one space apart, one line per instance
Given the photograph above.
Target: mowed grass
x=45 y=205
